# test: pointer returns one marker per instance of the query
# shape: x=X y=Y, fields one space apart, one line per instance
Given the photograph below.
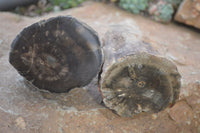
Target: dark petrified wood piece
x=133 y=79
x=57 y=54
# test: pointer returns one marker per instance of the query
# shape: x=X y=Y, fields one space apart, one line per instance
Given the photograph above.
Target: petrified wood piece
x=133 y=80
x=57 y=54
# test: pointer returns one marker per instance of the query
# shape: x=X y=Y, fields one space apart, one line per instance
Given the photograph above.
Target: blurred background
x=165 y=11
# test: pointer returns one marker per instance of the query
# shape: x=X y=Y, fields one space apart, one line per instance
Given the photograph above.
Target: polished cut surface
x=57 y=54
x=135 y=78
x=140 y=83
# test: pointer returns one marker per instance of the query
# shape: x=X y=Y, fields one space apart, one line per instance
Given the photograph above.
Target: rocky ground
x=25 y=109
x=189 y=13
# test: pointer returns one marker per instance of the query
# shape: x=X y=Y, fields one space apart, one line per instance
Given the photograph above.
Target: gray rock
x=10 y=4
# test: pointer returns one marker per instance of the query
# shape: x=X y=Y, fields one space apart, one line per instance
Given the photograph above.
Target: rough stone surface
x=27 y=110
x=189 y=13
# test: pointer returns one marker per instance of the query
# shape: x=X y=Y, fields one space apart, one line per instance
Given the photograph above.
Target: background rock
x=10 y=4
x=189 y=13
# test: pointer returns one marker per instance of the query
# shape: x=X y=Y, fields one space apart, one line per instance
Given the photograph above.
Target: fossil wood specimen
x=133 y=79
x=57 y=54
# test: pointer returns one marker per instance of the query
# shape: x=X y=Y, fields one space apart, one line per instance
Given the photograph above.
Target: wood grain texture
x=134 y=78
x=57 y=54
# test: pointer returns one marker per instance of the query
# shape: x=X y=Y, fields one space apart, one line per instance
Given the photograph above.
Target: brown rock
x=78 y=110
x=189 y=13
x=184 y=116
x=19 y=122
x=181 y=113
